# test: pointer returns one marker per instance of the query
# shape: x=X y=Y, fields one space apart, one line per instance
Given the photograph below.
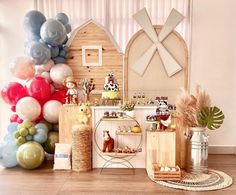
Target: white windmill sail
x=170 y=64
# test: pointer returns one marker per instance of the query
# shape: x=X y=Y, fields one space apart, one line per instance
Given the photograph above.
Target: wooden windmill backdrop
x=156 y=58
x=93 y=53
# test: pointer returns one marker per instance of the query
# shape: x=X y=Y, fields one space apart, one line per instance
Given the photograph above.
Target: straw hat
x=69 y=79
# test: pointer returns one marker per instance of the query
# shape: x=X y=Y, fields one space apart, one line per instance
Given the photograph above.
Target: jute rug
x=214 y=180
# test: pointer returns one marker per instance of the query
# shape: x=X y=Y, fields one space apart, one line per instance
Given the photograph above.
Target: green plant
x=211 y=117
x=127 y=106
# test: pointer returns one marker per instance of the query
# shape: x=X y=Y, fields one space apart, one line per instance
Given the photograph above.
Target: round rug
x=214 y=180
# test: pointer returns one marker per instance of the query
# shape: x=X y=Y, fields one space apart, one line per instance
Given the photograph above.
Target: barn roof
x=74 y=32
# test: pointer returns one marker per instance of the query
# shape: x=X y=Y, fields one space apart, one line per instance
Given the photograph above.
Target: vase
x=197 y=150
x=130 y=113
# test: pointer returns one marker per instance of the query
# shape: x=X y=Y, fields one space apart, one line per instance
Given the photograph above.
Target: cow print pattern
x=111 y=87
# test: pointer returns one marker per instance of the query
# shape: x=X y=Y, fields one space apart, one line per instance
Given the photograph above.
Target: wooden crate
x=164 y=175
x=160 y=149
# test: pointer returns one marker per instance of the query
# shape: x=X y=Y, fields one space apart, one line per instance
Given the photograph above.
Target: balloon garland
x=35 y=101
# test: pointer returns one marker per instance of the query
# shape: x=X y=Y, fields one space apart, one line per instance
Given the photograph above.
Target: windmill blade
x=141 y=65
x=144 y=21
x=172 y=21
x=170 y=64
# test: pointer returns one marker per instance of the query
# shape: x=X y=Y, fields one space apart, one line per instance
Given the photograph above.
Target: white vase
x=129 y=113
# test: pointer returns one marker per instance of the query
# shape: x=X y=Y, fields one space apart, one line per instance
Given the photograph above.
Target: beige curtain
x=116 y=15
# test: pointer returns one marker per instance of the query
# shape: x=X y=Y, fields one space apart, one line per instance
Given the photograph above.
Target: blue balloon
x=29 y=137
x=63 y=53
x=9 y=155
x=54 y=51
x=59 y=60
x=53 y=32
x=38 y=52
x=33 y=37
x=1 y=149
x=68 y=28
x=65 y=47
x=8 y=138
x=65 y=41
x=41 y=136
x=12 y=127
x=63 y=18
x=42 y=126
x=33 y=21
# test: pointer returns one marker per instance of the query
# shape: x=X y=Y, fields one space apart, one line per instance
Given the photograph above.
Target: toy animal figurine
x=111 y=83
x=84 y=114
x=71 y=94
x=162 y=107
x=108 y=143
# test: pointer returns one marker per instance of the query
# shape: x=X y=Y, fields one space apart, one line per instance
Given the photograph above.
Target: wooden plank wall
x=91 y=34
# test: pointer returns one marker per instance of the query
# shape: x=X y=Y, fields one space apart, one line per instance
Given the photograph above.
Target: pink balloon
x=28 y=108
x=39 y=88
x=47 y=67
x=22 y=68
x=46 y=75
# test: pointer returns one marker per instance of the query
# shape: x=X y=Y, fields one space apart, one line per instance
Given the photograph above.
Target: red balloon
x=19 y=120
x=59 y=95
x=13 y=118
x=39 y=88
x=13 y=92
x=13 y=108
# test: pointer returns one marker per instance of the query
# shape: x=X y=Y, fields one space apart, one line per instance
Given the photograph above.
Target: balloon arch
x=35 y=101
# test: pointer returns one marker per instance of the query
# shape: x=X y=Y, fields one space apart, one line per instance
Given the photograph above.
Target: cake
x=111 y=88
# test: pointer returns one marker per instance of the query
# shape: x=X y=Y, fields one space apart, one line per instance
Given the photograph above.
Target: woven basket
x=81 y=148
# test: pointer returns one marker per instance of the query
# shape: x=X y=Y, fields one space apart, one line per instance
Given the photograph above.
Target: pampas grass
x=189 y=106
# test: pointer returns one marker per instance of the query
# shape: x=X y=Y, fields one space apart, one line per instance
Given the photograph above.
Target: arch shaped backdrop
x=155 y=81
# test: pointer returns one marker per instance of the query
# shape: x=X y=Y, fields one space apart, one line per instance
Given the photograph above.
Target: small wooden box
x=166 y=175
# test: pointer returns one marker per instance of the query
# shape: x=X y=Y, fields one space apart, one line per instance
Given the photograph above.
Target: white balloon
x=51 y=111
x=46 y=75
x=28 y=108
x=60 y=72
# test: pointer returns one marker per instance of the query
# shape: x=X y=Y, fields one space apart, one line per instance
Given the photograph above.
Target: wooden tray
x=164 y=175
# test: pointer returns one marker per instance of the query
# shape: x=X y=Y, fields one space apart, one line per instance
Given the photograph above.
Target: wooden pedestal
x=66 y=120
x=160 y=149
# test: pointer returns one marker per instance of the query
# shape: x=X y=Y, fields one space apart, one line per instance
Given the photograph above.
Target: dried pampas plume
x=203 y=99
x=188 y=108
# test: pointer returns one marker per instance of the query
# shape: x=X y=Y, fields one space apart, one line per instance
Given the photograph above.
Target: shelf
x=115 y=154
x=116 y=119
x=153 y=122
x=127 y=133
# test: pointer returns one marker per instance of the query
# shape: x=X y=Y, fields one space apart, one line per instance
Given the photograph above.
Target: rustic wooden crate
x=164 y=175
x=160 y=149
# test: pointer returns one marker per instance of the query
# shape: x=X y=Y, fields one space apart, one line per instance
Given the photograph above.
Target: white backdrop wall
x=213 y=62
x=212 y=58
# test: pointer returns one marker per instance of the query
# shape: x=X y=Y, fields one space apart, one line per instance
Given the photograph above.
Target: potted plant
x=128 y=108
x=194 y=115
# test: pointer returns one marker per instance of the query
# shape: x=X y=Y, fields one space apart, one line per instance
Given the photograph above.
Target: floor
x=46 y=181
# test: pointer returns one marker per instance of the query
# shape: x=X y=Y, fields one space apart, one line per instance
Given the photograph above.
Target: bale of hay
x=81 y=148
